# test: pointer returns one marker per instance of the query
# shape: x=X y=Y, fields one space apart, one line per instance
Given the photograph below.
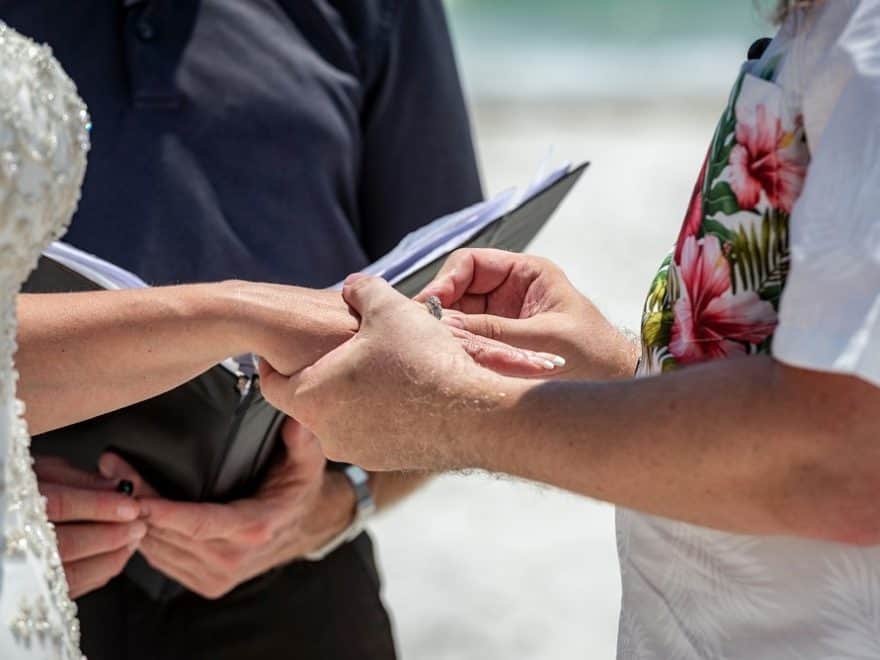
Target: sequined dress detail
x=44 y=138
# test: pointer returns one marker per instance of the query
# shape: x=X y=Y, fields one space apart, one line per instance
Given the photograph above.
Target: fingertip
x=137 y=531
x=432 y=289
x=453 y=319
x=354 y=278
x=108 y=466
x=128 y=511
x=264 y=369
x=364 y=291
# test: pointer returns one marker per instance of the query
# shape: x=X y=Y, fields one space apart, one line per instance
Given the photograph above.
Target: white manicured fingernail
x=557 y=360
x=542 y=362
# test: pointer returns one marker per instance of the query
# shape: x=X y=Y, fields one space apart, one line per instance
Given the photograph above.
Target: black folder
x=211 y=439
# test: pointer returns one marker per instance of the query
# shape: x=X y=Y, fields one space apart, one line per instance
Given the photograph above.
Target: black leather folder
x=211 y=439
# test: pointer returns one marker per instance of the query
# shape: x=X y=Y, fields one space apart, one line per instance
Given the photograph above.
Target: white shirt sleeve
x=829 y=316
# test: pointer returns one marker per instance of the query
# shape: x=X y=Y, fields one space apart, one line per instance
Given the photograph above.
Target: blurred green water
x=620 y=19
x=591 y=49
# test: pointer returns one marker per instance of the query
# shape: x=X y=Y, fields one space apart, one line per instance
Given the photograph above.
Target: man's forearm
x=747 y=446
x=391 y=487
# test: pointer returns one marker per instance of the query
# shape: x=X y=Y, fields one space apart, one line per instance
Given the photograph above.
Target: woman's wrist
x=223 y=307
x=291 y=327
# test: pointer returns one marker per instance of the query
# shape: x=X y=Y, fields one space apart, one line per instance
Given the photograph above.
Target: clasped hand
x=405 y=393
x=380 y=366
x=209 y=548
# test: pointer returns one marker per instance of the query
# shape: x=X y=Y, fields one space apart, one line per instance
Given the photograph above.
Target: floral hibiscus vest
x=692 y=592
x=717 y=294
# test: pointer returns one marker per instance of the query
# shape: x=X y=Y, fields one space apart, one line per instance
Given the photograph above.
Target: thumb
x=366 y=295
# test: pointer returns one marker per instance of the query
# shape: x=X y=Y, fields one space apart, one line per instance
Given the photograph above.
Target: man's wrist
x=473 y=435
x=337 y=510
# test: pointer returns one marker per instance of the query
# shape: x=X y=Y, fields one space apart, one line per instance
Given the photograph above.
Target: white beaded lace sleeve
x=44 y=137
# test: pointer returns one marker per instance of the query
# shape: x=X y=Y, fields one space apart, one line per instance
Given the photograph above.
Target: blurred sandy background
x=481 y=567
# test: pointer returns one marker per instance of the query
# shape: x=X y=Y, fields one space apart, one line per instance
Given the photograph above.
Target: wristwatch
x=365 y=507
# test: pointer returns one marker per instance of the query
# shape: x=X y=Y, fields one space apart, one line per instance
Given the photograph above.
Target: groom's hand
x=97 y=528
x=212 y=548
x=402 y=394
x=528 y=301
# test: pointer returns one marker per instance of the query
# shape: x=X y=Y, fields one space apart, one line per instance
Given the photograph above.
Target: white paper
x=442 y=236
x=413 y=253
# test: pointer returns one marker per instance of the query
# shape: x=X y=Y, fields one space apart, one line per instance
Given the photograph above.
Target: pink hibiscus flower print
x=764 y=160
x=711 y=322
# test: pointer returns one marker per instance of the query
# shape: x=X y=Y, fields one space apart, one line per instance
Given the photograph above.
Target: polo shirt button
x=146 y=31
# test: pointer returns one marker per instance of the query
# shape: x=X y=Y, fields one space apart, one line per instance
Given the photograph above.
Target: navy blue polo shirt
x=278 y=140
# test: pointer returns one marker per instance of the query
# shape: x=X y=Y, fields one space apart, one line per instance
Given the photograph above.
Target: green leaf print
x=656 y=328
x=760 y=256
x=721 y=199
x=658 y=317
x=716 y=228
x=723 y=141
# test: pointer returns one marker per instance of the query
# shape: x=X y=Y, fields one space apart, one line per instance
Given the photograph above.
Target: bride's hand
x=292 y=327
x=528 y=302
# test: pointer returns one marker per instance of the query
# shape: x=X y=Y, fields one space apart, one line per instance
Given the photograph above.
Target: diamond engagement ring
x=435 y=307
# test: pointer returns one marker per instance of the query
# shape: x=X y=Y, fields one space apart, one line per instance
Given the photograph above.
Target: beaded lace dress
x=44 y=138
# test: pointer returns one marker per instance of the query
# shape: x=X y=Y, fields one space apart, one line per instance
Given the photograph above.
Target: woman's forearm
x=84 y=354
x=748 y=446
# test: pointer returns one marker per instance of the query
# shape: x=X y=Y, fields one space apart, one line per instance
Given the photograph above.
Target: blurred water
x=589 y=49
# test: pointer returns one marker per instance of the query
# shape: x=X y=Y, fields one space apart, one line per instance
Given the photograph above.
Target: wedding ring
x=435 y=307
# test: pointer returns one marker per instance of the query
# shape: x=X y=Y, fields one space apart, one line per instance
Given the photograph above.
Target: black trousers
x=327 y=610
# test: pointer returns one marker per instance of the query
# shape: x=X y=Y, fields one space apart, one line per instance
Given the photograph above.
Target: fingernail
x=125 y=487
x=137 y=531
x=557 y=360
x=105 y=467
x=542 y=362
x=354 y=277
x=128 y=511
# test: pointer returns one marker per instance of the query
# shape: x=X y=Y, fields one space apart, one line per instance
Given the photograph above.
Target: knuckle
x=476 y=348
x=494 y=329
x=259 y=533
x=200 y=528
x=230 y=561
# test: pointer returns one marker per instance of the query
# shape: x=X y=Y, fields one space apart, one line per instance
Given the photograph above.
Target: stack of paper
x=443 y=235
x=415 y=252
